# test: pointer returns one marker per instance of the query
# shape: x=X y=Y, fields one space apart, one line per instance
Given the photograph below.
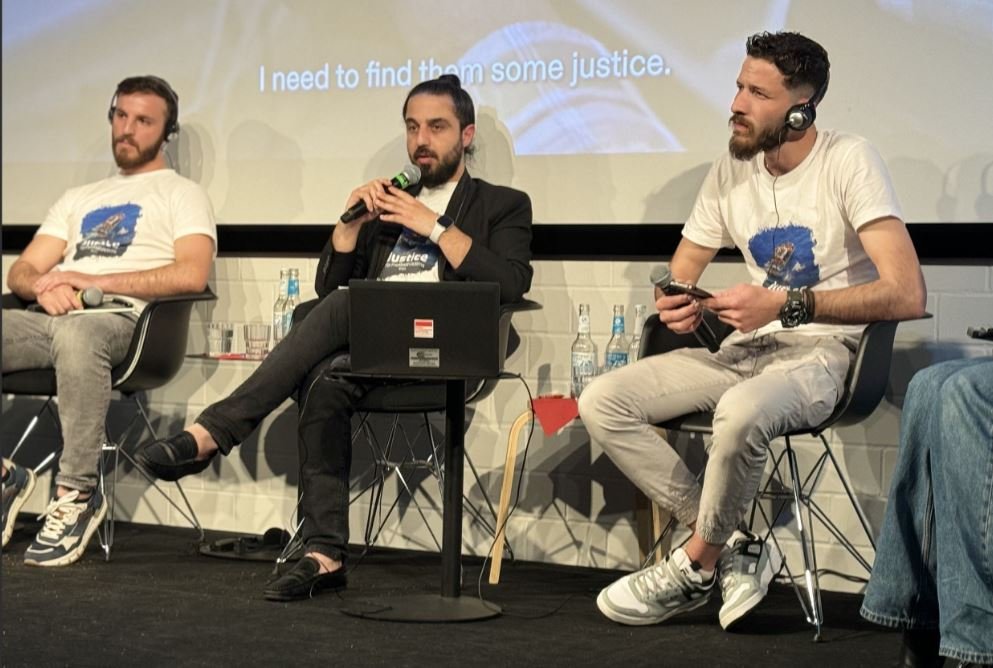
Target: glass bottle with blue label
x=280 y=306
x=639 y=324
x=584 y=354
x=617 y=348
x=292 y=299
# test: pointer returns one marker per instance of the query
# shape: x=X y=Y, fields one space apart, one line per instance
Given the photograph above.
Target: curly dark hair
x=802 y=61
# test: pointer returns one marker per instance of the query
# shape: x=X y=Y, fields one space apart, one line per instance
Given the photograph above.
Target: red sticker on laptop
x=423 y=328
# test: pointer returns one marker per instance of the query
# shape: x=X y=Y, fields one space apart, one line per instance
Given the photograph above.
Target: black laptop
x=424 y=330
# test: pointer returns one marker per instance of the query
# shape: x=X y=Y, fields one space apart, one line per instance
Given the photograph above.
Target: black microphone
x=90 y=297
x=410 y=175
x=661 y=278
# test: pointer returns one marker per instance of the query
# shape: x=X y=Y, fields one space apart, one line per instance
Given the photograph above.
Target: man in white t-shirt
x=144 y=233
x=815 y=217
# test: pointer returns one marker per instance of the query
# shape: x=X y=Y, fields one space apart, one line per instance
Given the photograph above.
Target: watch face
x=794 y=311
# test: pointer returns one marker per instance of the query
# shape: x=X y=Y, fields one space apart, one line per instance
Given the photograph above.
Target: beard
x=443 y=170
x=746 y=147
x=143 y=157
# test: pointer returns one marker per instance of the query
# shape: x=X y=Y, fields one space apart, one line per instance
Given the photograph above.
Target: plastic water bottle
x=617 y=347
x=584 y=354
x=292 y=299
x=280 y=306
x=639 y=324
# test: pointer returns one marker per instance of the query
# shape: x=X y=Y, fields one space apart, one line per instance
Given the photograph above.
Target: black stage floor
x=159 y=602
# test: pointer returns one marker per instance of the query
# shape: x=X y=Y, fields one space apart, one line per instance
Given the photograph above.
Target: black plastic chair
x=864 y=389
x=155 y=355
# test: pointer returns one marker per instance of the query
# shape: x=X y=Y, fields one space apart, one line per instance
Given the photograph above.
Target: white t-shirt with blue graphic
x=128 y=223
x=804 y=231
x=415 y=258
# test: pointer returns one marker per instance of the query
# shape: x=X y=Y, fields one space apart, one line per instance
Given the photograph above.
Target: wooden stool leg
x=505 y=488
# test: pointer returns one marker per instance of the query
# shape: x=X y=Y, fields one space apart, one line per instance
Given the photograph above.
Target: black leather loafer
x=303 y=581
x=172 y=458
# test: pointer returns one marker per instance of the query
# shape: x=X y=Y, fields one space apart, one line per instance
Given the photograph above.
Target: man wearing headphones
x=145 y=232
x=818 y=224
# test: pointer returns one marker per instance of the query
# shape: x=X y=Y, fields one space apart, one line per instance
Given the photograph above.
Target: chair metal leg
x=814 y=612
x=114 y=450
x=851 y=496
x=386 y=463
x=34 y=423
x=49 y=405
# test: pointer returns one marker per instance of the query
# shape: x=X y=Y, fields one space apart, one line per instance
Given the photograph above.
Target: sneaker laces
x=59 y=513
x=656 y=582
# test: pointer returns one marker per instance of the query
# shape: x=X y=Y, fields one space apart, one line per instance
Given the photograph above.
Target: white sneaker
x=656 y=593
x=746 y=568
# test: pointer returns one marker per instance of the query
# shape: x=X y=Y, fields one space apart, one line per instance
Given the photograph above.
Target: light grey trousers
x=758 y=387
x=82 y=349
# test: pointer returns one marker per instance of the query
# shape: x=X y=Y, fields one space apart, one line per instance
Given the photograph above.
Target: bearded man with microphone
x=816 y=219
x=447 y=227
x=145 y=232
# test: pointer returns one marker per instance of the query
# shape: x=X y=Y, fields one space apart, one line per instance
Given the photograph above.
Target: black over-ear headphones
x=157 y=86
x=801 y=116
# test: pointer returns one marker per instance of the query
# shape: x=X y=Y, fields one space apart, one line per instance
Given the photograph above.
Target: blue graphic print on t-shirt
x=787 y=254
x=108 y=231
x=412 y=256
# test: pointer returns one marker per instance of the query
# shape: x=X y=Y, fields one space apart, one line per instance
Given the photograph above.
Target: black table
x=448 y=605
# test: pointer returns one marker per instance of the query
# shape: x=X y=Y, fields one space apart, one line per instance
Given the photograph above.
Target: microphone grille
x=661 y=275
x=413 y=173
x=92 y=296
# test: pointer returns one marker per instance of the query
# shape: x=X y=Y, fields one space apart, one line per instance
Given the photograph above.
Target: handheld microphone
x=90 y=297
x=661 y=277
x=410 y=175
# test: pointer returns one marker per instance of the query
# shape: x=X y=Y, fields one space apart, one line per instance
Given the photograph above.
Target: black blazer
x=496 y=217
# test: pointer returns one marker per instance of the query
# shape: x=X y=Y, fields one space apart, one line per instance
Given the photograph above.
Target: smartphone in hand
x=677 y=288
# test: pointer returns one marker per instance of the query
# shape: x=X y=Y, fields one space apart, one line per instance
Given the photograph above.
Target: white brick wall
x=575 y=508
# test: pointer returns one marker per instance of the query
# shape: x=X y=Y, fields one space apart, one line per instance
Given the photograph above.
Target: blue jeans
x=934 y=560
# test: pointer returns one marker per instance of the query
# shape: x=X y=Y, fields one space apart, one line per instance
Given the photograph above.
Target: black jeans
x=295 y=367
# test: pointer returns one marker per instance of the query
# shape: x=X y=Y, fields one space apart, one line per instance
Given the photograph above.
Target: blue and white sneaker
x=16 y=490
x=656 y=593
x=69 y=525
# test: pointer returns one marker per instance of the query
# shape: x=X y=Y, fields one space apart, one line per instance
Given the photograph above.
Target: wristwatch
x=798 y=309
x=442 y=224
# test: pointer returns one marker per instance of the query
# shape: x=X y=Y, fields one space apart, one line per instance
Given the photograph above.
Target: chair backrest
x=867 y=376
x=158 y=345
x=509 y=342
